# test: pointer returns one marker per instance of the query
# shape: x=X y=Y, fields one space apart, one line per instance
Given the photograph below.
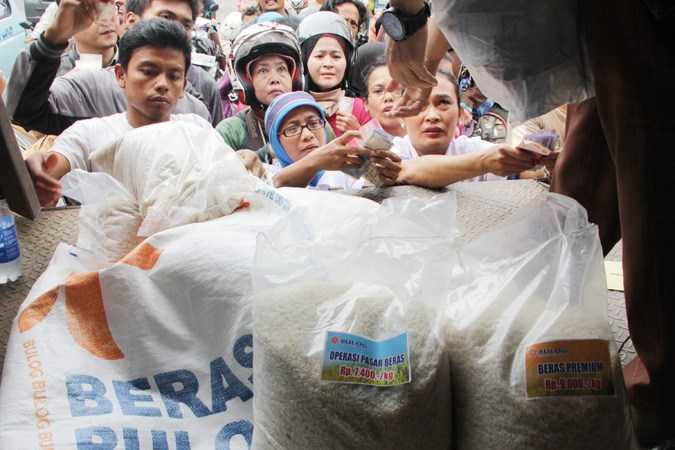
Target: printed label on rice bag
x=569 y=368
x=349 y=358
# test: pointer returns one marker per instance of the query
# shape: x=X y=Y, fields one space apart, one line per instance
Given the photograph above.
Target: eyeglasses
x=296 y=129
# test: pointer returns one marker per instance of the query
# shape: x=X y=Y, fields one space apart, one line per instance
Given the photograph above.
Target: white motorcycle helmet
x=317 y=25
x=261 y=39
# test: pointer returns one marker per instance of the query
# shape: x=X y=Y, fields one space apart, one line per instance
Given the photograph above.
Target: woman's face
x=431 y=131
x=310 y=137
x=270 y=78
x=327 y=63
x=380 y=101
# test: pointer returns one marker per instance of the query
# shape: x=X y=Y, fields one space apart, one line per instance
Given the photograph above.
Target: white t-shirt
x=462 y=145
x=86 y=136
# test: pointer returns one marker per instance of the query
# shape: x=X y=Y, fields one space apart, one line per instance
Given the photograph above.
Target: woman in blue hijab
x=295 y=125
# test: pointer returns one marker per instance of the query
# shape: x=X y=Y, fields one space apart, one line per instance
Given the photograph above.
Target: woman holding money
x=433 y=157
x=295 y=123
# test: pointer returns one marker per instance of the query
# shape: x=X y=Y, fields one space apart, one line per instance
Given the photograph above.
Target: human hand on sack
x=252 y=162
x=42 y=168
x=338 y=154
x=71 y=17
x=412 y=102
x=503 y=160
x=388 y=165
x=345 y=122
x=406 y=60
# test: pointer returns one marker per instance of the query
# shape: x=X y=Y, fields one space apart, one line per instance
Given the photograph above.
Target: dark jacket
x=200 y=84
x=37 y=100
x=204 y=87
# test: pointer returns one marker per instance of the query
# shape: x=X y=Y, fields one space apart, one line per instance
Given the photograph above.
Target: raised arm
x=415 y=98
x=35 y=70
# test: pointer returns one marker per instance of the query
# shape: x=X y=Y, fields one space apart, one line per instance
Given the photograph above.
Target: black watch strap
x=414 y=23
x=410 y=23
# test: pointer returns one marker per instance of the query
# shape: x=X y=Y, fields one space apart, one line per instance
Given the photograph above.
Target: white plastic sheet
x=526 y=55
x=151 y=352
x=178 y=173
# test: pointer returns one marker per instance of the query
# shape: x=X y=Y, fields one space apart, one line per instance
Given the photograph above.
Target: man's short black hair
x=452 y=79
x=138 y=7
x=158 y=33
x=368 y=71
x=331 y=5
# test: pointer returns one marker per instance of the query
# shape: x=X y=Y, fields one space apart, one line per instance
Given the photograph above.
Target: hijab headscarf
x=275 y=116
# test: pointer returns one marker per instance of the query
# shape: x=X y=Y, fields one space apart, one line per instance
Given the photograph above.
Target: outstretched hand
x=503 y=160
x=412 y=102
x=339 y=154
x=406 y=60
x=48 y=188
x=345 y=122
x=412 y=64
x=387 y=164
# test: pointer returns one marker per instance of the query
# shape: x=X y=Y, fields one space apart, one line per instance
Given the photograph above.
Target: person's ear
x=131 y=18
x=121 y=76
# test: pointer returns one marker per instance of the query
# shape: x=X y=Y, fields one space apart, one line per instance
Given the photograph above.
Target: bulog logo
x=85 y=312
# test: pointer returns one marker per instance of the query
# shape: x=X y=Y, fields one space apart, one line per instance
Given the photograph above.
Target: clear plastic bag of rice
x=347 y=366
x=533 y=362
x=348 y=336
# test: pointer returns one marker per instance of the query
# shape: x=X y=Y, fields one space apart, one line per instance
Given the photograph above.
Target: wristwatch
x=399 y=25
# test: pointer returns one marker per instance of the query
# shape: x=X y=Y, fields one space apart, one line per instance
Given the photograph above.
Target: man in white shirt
x=433 y=157
x=154 y=57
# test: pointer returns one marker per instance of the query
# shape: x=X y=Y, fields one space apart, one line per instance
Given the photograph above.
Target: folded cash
x=542 y=142
x=378 y=140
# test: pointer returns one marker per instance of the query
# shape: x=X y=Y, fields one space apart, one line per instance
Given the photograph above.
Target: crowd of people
x=299 y=85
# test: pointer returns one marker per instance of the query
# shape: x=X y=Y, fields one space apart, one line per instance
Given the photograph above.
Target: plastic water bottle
x=10 y=257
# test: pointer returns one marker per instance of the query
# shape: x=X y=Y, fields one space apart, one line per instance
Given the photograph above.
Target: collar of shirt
x=75 y=53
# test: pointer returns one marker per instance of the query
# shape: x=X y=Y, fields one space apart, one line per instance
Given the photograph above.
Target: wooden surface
x=38 y=240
